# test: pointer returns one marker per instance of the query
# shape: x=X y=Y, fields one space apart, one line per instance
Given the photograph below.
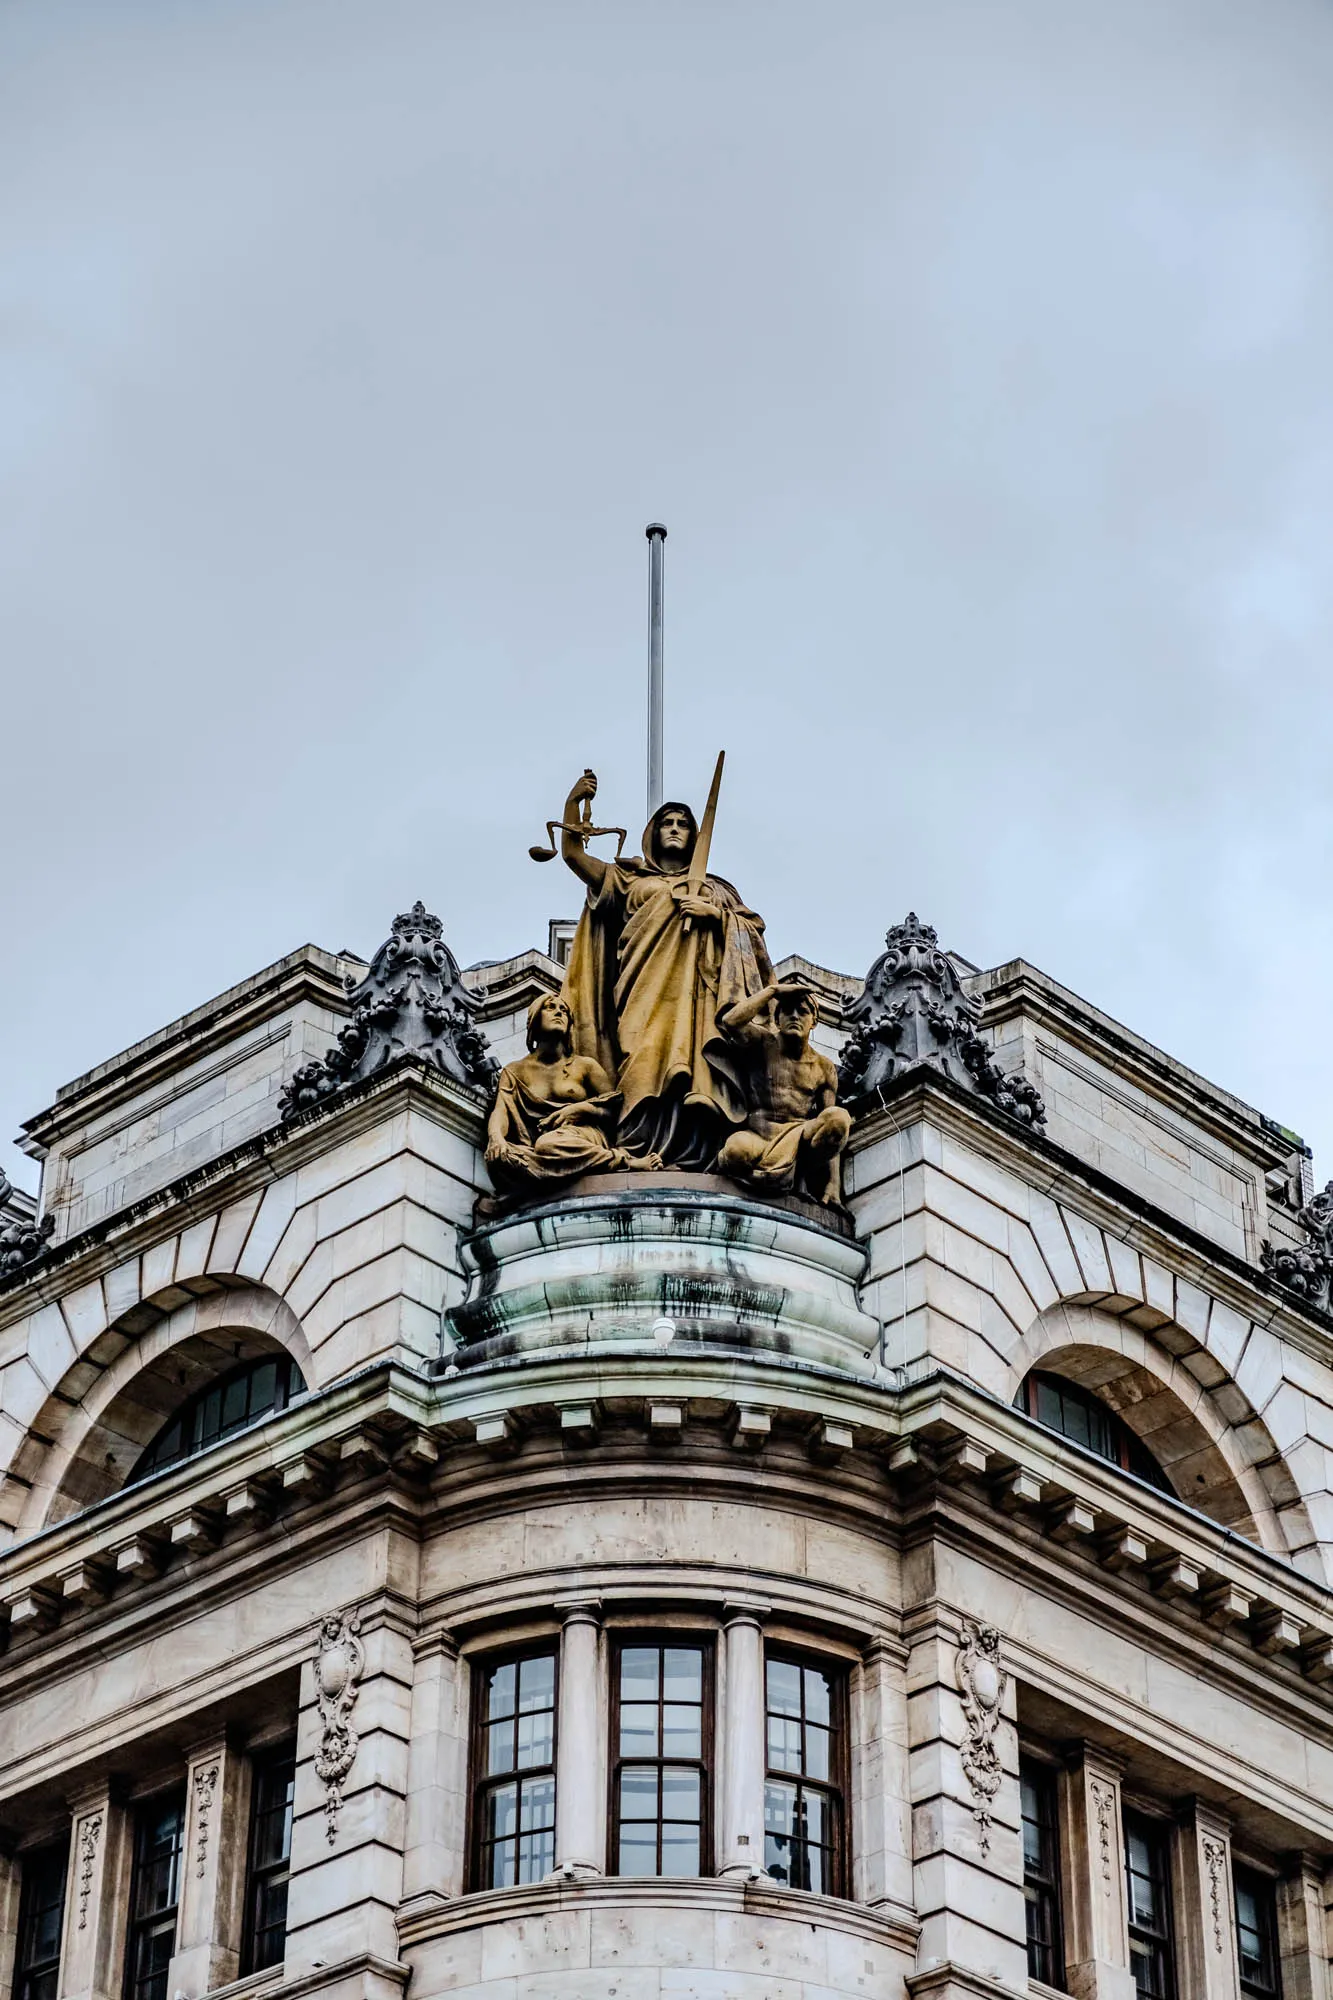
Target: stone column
x=11 y=1884
x=1092 y=1868
x=967 y=1866
x=350 y=1821
x=212 y=1894
x=433 y=1859
x=881 y=1809
x=580 y=1744
x=97 y=1894
x=1303 y=1897
x=1205 y=1911
x=743 y=1758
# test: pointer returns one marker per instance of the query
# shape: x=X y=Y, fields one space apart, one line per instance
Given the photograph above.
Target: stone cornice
x=1040 y=1163
x=307 y=973
x=270 y=1155
x=970 y=1437
x=931 y=1458
x=1019 y=990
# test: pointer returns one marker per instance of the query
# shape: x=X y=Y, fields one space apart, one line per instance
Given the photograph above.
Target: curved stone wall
x=607 y=1266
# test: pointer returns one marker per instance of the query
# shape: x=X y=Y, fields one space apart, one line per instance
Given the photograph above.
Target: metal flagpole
x=656 y=534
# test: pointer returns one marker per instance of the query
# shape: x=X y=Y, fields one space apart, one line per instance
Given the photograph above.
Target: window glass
x=270 y=1858
x=803 y=1802
x=514 y=1794
x=660 y=1727
x=1256 y=1934
x=159 y=1830
x=1041 y=1872
x=254 y=1390
x=41 y=1913
x=1077 y=1414
x=1151 y=1954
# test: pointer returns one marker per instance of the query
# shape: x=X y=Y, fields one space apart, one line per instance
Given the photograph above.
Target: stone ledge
x=432 y=1915
x=366 y=1977
x=602 y=1190
x=948 y=1981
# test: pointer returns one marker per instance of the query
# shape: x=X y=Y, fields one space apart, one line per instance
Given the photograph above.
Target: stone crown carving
x=23 y=1240
x=1307 y=1270
x=410 y=1002
x=914 y=1014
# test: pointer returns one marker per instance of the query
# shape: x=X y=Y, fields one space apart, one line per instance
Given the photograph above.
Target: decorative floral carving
x=339 y=1661
x=1307 y=1272
x=90 y=1833
x=1103 y=1804
x=23 y=1240
x=205 y=1785
x=981 y=1682
x=1215 y=1861
x=411 y=1002
x=913 y=1014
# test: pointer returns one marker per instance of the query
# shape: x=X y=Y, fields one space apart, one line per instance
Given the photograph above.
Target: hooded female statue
x=654 y=960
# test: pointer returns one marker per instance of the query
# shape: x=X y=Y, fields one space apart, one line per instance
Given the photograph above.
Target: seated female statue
x=555 y=1112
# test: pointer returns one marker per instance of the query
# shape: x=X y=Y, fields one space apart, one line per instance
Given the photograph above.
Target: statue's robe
x=644 y=991
x=552 y=1140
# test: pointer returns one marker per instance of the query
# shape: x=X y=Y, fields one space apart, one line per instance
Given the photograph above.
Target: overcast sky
x=978 y=357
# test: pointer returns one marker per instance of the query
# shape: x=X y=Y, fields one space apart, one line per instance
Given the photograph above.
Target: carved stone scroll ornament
x=1307 y=1270
x=412 y=1001
x=1103 y=1804
x=23 y=1241
x=205 y=1788
x=912 y=1014
x=1214 y=1860
x=339 y=1661
x=90 y=1833
x=981 y=1682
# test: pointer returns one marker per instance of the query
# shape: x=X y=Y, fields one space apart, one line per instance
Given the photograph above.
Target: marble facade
x=666 y=1410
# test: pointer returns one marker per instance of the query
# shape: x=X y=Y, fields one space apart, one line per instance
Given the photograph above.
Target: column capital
x=746 y=1611
x=440 y=1640
x=1096 y=1761
x=584 y=1610
x=89 y=1797
x=1198 y=1812
x=215 y=1745
x=885 y=1646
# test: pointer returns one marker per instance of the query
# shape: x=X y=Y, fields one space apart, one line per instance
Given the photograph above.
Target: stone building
x=658 y=1587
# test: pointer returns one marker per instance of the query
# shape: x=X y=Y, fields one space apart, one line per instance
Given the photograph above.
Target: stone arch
x=1177 y=1398
x=86 y=1437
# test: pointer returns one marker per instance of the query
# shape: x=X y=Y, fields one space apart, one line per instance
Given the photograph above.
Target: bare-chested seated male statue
x=792 y=1141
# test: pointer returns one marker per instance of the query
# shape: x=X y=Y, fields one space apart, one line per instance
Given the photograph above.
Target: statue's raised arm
x=574 y=849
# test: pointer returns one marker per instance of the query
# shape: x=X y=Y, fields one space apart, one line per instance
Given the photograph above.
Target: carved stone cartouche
x=23 y=1241
x=411 y=1001
x=1307 y=1270
x=981 y=1683
x=340 y=1660
x=913 y=1013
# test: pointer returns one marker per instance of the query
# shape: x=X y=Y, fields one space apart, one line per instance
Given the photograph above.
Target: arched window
x=256 y=1389
x=1075 y=1413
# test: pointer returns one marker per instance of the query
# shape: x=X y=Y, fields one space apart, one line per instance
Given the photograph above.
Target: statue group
x=671 y=1043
